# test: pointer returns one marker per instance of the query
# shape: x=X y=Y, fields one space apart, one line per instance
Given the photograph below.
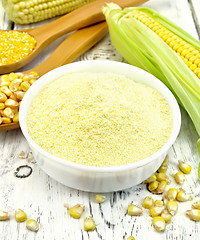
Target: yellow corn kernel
x=4 y=215
x=25 y=86
x=34 y=74
x=16 y=117
x=148 y=202
x=184 y=167
x=11 y=103
x=13 y=97
x=194 y=214
x=151 y=179
x=76 y=211
x=183 y=197
x=13 y=76
x=196 y=205
x=166 y=216
x=153 y=186
x=159 y=203
x=2 y=106
x=134 y=210
x=130 y=238
x=32 y=81
x=89 y=224
x=161 y=187
x=20 y=215
x=8 y=112
x=100 y=198
x=163 y=177
x=156 y=211
x=164 y=165
x=6 y=90
x=19 y=94
x=172 y=207
x=3 y=97
x=159 y=224
x=5 y=120
x=4 y=81
x=179 y=177
x=171 y=194
x=32 y=225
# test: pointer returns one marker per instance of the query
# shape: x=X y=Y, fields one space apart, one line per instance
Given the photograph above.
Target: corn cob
x=25 y=12
x=149 y=41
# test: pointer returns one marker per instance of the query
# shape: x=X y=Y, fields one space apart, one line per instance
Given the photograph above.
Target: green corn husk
x=141 y=47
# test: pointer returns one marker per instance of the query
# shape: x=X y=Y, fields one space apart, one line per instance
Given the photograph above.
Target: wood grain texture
x=43 y=198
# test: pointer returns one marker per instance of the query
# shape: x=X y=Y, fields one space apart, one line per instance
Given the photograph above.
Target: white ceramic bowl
x=99 y=179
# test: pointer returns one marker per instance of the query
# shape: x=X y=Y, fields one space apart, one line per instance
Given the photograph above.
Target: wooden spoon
x=76 y=44
x=79 y=18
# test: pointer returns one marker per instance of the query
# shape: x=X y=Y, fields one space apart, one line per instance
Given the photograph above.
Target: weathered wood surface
x=43 y=198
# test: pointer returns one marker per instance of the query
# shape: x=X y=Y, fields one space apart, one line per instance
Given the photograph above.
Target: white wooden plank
x=5 y=23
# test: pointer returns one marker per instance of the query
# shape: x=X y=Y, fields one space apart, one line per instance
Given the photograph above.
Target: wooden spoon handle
x=79 y=18
x=72 y=47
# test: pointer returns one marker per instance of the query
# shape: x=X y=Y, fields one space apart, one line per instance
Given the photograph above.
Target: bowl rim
x=60 y=71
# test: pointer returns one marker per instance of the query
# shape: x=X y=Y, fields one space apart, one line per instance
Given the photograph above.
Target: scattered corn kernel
x=196 y=205
x=184 y=167
x=166 y=216
x=183 y=197
x=164 y=166
x=179 y=177
x=159 y=224
x=130 y=238
x=153 y=186
x=151 y=179
x=163 y=177
x=171 y=194
x=32 y=225
x=156 y=211
x=134 y=210
x=148 y=202
x=4 y=215
x=161 y=187
x=76 y=211
x=172 y=207
x=20 y=215
x=89 y=224
x=100 y=198
x=159 y=203
x=194 y=214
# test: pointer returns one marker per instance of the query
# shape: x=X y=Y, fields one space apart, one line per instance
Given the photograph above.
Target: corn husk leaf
x=141 y=47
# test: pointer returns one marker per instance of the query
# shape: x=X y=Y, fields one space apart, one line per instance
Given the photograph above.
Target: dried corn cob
x=148 y=40
x=25 y=12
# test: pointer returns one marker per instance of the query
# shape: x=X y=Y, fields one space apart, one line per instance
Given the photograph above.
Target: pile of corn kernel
x=21 y=216
x=15 y=46
x=160 y=211
x=12 y=89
